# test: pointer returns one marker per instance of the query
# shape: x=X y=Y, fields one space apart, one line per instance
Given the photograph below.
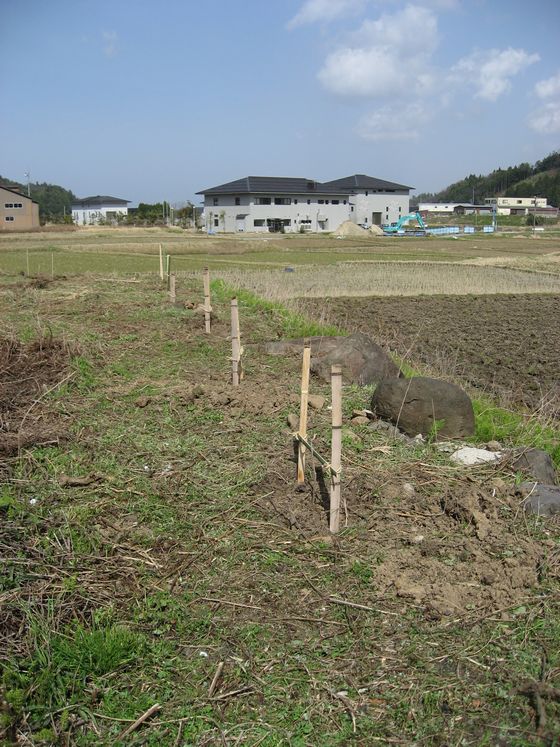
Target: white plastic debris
x=470 y=456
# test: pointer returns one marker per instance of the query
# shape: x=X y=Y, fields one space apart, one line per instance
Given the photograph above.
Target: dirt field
x=505 y=345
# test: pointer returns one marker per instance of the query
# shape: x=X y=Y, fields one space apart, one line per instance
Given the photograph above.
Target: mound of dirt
x=376 y=230
x=349 y=229
x=26 y=372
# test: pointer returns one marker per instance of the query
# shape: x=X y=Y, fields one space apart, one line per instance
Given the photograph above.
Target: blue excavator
x=400 y=226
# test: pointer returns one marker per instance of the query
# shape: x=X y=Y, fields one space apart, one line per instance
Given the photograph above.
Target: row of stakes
x=304 y=444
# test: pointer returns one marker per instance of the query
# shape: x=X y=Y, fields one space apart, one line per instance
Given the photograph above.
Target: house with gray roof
x=90 y=211
x=295 y=204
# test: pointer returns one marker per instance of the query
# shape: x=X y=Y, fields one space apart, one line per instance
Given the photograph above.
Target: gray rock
x=316 y=401
x=420 y=405
x=362 y=360
x=543 y=500
x=536 y=463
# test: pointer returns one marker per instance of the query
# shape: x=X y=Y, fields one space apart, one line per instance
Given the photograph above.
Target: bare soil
x=506 y=345
x=27 y=371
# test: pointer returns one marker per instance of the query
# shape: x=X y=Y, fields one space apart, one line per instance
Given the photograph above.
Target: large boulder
x=362 y=360
x=543 y=500
x=536 y=463
x=426 y=406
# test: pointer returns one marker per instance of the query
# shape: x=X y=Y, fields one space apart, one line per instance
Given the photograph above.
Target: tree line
x=523 y=180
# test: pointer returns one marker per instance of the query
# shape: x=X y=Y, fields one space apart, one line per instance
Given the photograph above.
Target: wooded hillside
x=523 y=180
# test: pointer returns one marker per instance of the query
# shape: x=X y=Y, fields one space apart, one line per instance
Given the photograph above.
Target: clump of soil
x=27 y=371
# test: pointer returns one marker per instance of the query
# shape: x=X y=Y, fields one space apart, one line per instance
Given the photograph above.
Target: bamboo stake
x=160 y=263
x=172 y=292
x=235 y=343
x=207 y=306
x=303 y=412
x=336 y=447
x=27 y=258
x=168 y=269
x=52 y=265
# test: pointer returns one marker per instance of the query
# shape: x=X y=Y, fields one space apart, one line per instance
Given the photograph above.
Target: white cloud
x=110 y=39
x=385 y=55
x=313 y=11
x=549 y=87
x=546 y=119
x=491 y=71
x=394 y=122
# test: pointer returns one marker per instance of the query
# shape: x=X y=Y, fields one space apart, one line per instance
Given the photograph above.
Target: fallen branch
x=216 y=679
x=153 y=709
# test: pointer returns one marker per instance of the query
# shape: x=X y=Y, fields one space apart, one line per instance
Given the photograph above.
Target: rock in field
x=470 y=456
x=543 y=500
x=362 y=360
x=423 y=405
x=536 y=463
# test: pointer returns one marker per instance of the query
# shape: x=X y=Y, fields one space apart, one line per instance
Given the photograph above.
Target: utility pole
x=534 y=213
x=27 y=176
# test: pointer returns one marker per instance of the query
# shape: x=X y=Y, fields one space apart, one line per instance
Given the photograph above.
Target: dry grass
x=390 y=279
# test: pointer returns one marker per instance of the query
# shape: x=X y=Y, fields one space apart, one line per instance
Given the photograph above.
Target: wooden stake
x=160 y=263
x=303 y=412
x=172 y=293
x=207 y=302
x=336 y=447
x=168 y=269
x=235 y=343
x=52 y=265
x=27 y=257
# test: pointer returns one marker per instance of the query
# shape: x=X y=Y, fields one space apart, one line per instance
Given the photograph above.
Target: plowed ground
x=507 y=345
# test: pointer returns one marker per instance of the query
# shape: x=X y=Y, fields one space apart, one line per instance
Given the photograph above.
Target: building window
x=215 y=201
x=8 y=204
x=344 y=201
x=321 y=202
x=335 y=202
x=18 y=204
x=238 y=201
x=263 y=201
x=282 y=200
x=400 y=209
x=216 y=222
x=295 y=201
x=352 y=208
x=387 y=216
x=367 y=193
x=309 y=202
x=258 y=222
x=9 y=218
x=387 y=209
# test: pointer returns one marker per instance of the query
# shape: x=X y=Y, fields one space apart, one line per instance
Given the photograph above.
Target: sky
x=155 y=101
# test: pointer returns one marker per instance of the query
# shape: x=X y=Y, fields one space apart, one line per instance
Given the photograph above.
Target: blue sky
x=151 y=101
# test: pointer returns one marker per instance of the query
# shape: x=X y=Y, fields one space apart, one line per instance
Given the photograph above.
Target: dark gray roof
x=273 y=185
x=100 y=200
x=357 y=182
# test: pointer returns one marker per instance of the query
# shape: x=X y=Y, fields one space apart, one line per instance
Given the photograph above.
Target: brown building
x=17 y=211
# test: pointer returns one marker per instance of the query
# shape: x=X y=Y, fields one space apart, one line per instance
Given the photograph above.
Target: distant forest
x=54 y=201
x=524 y=180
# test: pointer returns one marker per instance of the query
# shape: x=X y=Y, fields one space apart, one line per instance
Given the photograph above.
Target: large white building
x=293 y=204
x=90 y=211
x=519 y=205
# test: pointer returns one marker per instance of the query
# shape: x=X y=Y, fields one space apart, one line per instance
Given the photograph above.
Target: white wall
x=91 y=216
x=304 y=210
x=390 y=205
